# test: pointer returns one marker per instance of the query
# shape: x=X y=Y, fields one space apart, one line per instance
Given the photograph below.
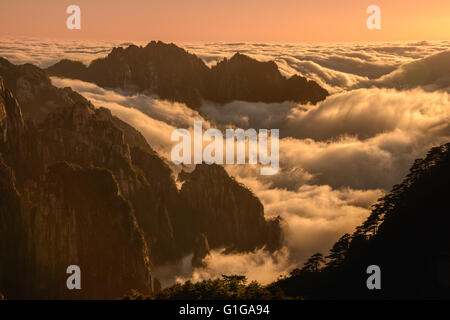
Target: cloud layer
x=336 y=66
x=389 y=105
x=339 y=158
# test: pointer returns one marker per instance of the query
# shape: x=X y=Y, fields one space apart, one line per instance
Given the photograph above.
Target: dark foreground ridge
x=176 y=75
x=406 y=235
x=80 y=186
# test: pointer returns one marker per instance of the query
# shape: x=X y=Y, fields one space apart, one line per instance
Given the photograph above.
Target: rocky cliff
x=62 y=215
x=76 y=132
x=243 y=78
x=405 y=235
x=80 y=186
x=34 y=91
x=225 y=211
x=174 y=74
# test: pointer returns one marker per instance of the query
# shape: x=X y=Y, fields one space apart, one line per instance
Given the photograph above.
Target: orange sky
x=230 y=20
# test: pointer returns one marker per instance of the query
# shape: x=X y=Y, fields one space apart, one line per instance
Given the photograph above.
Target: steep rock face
x=226 y=212
x=157 y=204
x=93 y=144
x=33 y=90
x=86 y=136
x=66 y=215
x=83 y=135
x=174 y=74
x=12 y=232
x=11 y=123
x=77 y=217
x=89 y=137
x=77 y=132
x=201 y=251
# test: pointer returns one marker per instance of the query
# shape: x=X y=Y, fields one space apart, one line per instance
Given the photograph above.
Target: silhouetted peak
x=11 y=120
x=242 y=62
x=174 y=74
x=75 y=68
x=241 y=57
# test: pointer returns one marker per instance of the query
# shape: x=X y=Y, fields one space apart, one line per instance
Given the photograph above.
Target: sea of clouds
x=389 y=104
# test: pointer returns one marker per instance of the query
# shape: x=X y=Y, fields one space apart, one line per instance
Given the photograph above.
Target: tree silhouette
x=313 y=263
x=407 y=226
x=339 y=251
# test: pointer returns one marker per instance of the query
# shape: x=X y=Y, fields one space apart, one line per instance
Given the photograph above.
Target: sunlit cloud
x=336 y=158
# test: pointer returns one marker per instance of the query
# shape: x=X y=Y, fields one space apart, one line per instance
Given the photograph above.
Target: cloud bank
x=339 y=157
x=389 y=105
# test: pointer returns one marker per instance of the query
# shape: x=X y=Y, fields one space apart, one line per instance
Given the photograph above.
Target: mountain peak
x=174 y=74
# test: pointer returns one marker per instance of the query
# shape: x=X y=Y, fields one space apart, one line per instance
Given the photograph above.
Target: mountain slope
x=66 y=215
x=226 y=212
x=406 y=235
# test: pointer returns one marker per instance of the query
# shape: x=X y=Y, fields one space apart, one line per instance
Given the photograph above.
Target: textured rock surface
x=174 y=74
x=225 y=211
x=12 y=232
x=33 y=90
x=80 y=186
x=78 y=133
x=77 y=217
x=62 y=215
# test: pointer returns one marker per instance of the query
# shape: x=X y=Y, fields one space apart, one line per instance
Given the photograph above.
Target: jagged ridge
x=174 y=74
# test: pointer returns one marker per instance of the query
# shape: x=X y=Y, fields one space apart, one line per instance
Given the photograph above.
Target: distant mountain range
x=80 y=186
x=173 y=74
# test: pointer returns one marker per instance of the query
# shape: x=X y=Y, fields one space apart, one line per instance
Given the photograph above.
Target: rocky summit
x=173 y=74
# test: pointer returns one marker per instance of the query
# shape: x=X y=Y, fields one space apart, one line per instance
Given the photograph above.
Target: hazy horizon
x=316 y=192
x=267 y=21
x=358 y=107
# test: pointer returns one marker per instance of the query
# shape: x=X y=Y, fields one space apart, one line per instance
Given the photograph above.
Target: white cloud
x=259 y=265
x=431 y=73
x=336 y=157
x=328 y=179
